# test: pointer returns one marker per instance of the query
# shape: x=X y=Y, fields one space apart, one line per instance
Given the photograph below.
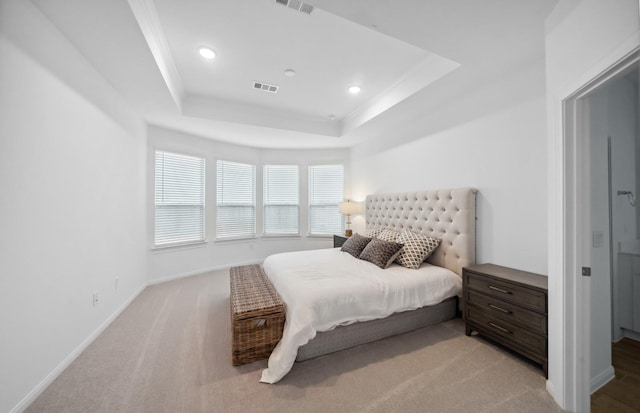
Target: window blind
x=281 y=199
x=236 y=200
x=179 y=199
x=326 y=190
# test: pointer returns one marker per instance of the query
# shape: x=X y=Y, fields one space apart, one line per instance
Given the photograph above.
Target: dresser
x=508 y=306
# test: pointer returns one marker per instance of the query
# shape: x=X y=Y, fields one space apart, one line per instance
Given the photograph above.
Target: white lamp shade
x=348 y=207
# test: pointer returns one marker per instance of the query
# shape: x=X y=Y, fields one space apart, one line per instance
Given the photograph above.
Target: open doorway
x=592 y=115
x=610 y=122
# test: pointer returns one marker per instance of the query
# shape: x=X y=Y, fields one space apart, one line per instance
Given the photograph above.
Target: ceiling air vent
x=265 y=87
x=296 y=5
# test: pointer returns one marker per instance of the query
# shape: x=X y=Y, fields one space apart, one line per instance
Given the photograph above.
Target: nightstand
x=508 y=306
x=338 y=240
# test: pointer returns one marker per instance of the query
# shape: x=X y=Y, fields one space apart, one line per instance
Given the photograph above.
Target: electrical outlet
x=117 y=283
x=95 y=299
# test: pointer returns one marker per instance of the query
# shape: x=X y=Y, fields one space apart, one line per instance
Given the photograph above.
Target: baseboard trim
x=201 y=271
x=630 y=334
x=33 y=394
x=602 y=378
x=551 y=389
x=40 y=387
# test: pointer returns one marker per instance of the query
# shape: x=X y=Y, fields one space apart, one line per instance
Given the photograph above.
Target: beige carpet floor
x=169 y=351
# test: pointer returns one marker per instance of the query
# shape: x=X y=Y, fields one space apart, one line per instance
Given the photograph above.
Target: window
x=281 y=199
x=236 y=200
x=326 y=190
x=179 y=199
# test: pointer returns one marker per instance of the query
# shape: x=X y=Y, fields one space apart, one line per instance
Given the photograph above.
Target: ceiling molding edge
x=227 y=111
x=146 y=15
x=426 y=72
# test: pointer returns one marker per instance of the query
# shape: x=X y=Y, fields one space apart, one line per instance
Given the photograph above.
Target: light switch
x=598 y=239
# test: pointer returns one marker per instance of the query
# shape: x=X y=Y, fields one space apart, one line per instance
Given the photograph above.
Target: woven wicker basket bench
x=257 y=315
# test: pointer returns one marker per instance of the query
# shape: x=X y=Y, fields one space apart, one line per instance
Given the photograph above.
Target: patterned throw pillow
x=417 y=248
x=355 y=244
x=388 y=235
x=373 y=233
x=381 y=253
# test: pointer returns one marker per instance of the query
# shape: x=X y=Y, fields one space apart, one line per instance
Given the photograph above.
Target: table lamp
x=347 y=208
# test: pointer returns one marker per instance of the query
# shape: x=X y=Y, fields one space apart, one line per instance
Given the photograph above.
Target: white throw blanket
x=323 y=289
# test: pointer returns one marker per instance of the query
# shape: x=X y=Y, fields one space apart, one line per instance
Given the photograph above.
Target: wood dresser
x=508 y=306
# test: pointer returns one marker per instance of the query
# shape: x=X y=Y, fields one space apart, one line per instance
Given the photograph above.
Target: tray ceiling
x=408 y=56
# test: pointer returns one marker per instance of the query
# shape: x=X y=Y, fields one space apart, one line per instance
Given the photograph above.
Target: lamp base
x=348 y=232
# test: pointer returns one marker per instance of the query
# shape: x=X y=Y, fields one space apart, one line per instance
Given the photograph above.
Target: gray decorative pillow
x=355 y=244
x=381 y=253
x=417 y=248
x=388 y=235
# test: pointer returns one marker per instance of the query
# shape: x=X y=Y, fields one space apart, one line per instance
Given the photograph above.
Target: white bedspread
x=326 y=288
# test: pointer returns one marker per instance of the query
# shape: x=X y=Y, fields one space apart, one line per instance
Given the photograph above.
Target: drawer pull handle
x=504 y=330
x=499 y=290
x=495 y=307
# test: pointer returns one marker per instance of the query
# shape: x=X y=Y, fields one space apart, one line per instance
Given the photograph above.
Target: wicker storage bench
x=257 y=315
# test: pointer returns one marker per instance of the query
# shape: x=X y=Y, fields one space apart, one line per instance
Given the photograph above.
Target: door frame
x=576 y=236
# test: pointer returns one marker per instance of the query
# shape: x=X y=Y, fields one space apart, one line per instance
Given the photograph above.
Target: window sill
x=282 y=236
x=200 y=244
x=235 y=240
x=177 y=247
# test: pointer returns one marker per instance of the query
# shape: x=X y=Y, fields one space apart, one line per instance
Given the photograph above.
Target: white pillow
x=417 y=248
x=373 y=233
x=388 y=235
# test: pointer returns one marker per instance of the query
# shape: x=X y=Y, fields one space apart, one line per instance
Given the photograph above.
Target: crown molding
x=146 y=15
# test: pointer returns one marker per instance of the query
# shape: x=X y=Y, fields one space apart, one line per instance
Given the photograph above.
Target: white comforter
x=326 y=288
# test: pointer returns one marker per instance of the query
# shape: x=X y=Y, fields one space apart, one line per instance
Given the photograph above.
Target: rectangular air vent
x=265 y=87
x=296 y=5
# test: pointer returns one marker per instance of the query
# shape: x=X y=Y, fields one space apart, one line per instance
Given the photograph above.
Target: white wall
x=166 y=264
x=491 y=139
x=72 y=203
x=583 y=38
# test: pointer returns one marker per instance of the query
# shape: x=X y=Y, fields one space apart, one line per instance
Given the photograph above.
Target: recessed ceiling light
x=207 y=53
x=332 y=117
x=290 y=73
x=354 y=90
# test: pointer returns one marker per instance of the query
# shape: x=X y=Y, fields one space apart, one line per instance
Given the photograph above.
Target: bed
x=335 y=301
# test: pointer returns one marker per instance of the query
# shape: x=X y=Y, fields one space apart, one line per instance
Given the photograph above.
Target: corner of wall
x=66 y=362
x=602 y=378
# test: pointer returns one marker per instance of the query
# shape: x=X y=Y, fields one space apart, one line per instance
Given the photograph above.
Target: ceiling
x=406 y=55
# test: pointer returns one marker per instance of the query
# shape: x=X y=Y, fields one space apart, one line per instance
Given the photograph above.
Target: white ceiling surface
x=408 y=56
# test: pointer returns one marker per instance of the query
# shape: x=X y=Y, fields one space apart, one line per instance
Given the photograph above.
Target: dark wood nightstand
x=508 y=306
x=338 y=240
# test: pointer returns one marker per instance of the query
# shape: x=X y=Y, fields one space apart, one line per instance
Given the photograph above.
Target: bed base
x=343 y=337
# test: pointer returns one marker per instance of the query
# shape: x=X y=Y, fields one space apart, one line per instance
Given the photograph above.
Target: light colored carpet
x=170 y=352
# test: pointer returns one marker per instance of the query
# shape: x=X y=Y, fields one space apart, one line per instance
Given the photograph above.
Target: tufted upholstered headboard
x=447 y=214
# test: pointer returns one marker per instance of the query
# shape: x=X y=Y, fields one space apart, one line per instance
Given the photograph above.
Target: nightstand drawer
x=507 y=311
x=525 y=297
x=495 y=326
x=508 y=306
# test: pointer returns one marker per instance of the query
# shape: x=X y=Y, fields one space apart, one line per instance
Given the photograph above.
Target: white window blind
x=179 y=199
x=281 y=199
x=326 y=190
x=236 y=200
